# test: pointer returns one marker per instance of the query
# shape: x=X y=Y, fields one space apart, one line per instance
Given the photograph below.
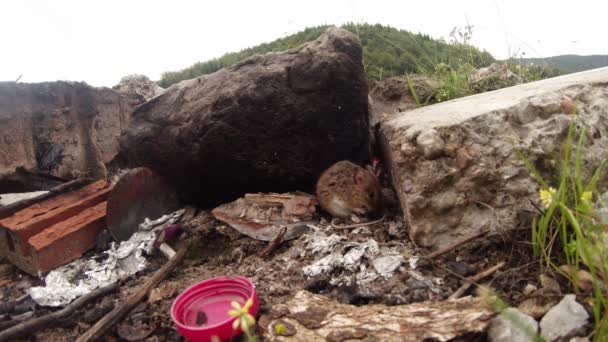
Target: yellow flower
x=243 y=318
x=280 y=329
x=546 y=197
x=587 y=196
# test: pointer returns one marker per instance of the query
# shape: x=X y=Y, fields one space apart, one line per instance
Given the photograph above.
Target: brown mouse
x=347 y=189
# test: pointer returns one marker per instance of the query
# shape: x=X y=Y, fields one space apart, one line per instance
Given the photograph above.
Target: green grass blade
x=412 y=90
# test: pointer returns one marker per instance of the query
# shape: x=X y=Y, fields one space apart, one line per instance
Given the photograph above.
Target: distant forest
x=569 y=63
x=387 y=52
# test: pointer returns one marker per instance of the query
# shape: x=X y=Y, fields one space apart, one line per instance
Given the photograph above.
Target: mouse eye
x=372 y=195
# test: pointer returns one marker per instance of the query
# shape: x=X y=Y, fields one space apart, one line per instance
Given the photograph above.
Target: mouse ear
x=359 y=177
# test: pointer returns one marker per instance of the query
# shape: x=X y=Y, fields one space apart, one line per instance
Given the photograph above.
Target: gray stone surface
x=454 y=166
x=138 y=85
x=393 y=95
x=512 y=326
x=66 y=129
x=563 y=319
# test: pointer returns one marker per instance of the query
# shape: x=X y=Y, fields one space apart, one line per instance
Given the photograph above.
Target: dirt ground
x=217 y=249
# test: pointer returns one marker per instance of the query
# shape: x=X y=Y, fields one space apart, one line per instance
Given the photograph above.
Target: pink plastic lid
x=201 y=311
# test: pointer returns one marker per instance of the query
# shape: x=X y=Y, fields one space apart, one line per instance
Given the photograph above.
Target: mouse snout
x=362 y=211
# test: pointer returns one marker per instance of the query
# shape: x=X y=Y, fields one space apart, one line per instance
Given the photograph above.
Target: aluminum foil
x=68 y=282
x=349 y=261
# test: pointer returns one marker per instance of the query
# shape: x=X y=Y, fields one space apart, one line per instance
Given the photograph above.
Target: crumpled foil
x=68 y=282
x=348 y=261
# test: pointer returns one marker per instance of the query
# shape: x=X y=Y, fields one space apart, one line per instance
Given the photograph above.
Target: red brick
x=32 y=220
x=67 y=240
x=56 y=230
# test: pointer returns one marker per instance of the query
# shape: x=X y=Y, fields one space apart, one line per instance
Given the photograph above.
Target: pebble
x=507 y=327
x=564 y=318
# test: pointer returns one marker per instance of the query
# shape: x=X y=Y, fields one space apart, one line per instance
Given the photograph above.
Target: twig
x=33 y=325
x=274 y=244
x=474 y=279
x=9 y=306
x=356 y=225
x=539 y=209
x=456 y=244
x=114 y=316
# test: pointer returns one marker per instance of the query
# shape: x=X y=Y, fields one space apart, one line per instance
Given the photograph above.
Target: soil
x=217 y=249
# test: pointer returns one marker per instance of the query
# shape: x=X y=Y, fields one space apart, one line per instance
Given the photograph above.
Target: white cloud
x=101 y=41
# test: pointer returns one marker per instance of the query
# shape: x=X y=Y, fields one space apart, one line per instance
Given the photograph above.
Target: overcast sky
x=101 y=41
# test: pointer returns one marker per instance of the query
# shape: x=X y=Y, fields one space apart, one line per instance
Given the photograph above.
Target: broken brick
x=34 y=219
x=67 y=240
x=55 y=231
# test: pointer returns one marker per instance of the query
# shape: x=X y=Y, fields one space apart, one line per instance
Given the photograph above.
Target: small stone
x=511 y=326
x=529 y=289
x=536 y=306
x=584 y=279
x=563 y=319
x=549 y=284
x=138 y=85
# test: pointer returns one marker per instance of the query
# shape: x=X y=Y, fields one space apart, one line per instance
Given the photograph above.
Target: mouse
x=346 y=189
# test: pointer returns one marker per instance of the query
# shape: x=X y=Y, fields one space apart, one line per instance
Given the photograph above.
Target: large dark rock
x=66 y=129
x=270 y=123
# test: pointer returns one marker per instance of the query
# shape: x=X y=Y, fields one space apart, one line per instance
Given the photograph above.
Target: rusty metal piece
x=140 y=193
x=263 y=216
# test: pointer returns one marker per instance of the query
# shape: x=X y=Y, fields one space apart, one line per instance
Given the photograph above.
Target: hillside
x=570 y=63
x=387 y=52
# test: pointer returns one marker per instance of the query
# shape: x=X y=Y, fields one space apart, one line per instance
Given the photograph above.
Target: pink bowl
x=201 y=311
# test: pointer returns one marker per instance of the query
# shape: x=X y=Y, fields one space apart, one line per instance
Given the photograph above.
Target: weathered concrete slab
x=453 y=164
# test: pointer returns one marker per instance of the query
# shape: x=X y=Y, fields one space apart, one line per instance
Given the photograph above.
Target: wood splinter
x=474 y=279
x=274 y=244
x=356 y=225
x=455 y=245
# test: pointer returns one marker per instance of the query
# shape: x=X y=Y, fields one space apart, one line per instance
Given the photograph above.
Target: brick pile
x=55 y=231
